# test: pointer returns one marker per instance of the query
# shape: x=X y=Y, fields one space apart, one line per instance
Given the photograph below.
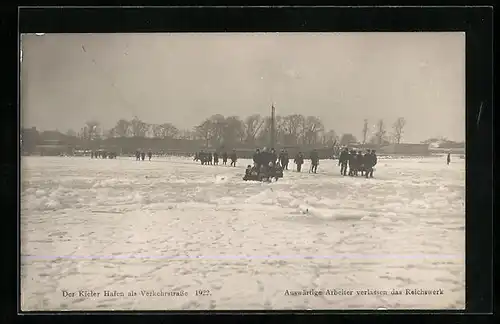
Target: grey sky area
x=343 y=78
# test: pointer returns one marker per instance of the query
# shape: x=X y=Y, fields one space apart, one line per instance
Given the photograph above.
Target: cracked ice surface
x=172 y=224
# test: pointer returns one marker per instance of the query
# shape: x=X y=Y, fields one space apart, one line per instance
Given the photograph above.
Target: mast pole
x=272 y=126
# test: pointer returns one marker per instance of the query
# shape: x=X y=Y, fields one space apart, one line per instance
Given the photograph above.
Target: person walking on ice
x=299 y=160
x=314 y=161
x=233 y=158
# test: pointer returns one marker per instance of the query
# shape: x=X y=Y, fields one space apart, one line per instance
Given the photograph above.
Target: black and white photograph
x=242 y=171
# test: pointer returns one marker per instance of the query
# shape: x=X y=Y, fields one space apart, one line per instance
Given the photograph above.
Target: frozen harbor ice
x=174 y=225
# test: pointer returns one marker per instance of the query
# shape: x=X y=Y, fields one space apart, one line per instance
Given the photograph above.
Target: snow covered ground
x=172 y=225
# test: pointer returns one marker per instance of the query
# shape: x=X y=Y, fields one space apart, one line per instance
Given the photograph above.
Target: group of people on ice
x=352 y=163
x=282 y=159
x=357 y=162
x=102 y=155
x=269 y=164
x=141 y=155
x=209 y=158
x=266 y=165
x=314 y=157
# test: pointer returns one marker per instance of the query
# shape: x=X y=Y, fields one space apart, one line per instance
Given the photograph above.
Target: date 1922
x=203 y=292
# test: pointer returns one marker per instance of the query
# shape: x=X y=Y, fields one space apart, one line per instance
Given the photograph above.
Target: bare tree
x=83 y=134
x=253 y=124
x=365 y=130
x=188 y=134
x=150 y=130
x=311 y=129
x=205 y=131
x=380 y=134
x=279 y=123
x=168 y=130
x=111 y=133
x=398 y=126
x=157 y=130
x=92 y=129
x=241 y=132
x=138 y=127
x=218 y=125
x=293 y=128
x=264 y=135
x=233 y=130
x=329 y=138
x=281 y=129
x=122 y=128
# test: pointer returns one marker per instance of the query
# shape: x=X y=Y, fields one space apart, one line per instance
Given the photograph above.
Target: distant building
x=366 y=146
x=440 y=150
x=444 y=147
x=54 y=148
x=405 y=149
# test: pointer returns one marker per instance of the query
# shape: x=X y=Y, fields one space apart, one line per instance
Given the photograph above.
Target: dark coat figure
x=352 y=163
x=448 y=159
x=143 y=156
x=92 y=154
x=137 y=155
x=216 y=158
x=287 y=161
x=366 y=165
x=204 y=157
x=150 y=155
x=210 y=158
x=233 y=158
x=251 y=173
x=299 y=160
x=257 y=159
x=372 y=162
x=343 y=160
x=274 y=156
x=224 y=158
x=357 y=163
x=265 y=157
x=282 y=159
x=314 y=161
x=360 y=163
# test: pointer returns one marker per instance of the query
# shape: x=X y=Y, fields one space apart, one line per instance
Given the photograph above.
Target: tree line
x=254 y=130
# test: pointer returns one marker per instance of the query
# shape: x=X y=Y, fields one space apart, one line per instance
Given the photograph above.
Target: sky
x=183 y=78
